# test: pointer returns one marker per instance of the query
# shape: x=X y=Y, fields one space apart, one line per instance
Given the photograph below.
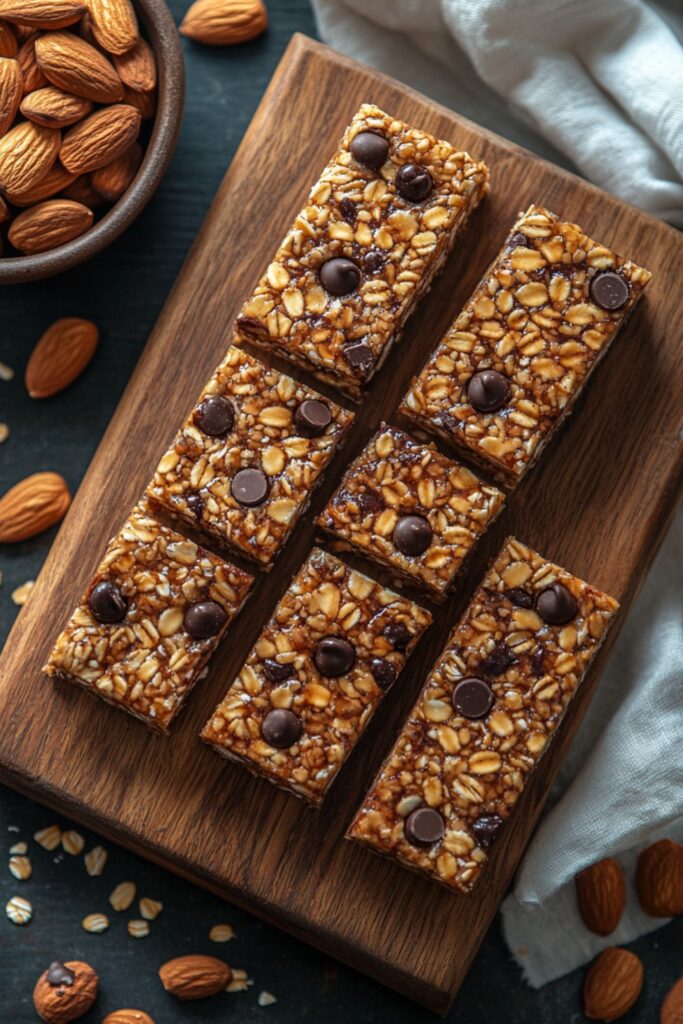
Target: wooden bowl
x=162 y=35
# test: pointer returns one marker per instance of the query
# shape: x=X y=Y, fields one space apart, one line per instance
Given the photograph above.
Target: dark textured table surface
x=123 y=290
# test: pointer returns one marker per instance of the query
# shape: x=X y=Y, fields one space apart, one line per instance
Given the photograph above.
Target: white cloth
x=600 y=81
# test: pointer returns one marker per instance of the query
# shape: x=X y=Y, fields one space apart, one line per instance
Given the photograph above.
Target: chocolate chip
x=488 y=391
x=414 y=183
x=369 y=149
x=398 y=635
x=473 y=698
x=498 y=661
x=522 y=598
x=312 y=417
x=358 y=355
x=204 y=619
x=215 y=416
x=281 y=728
x=538 y=663
x=556 y=605
x=347 y=208
x=424 y=827
x=195 y=503
x=250 y=487
x=334 y=656
x=339 y=276
x=383 y=672
x=486 y=829
x=610 y=290
x=373 y=261
x=275 y=672
x=368 y=503
x=107 y=603
x=58 y=975
x=412 y=535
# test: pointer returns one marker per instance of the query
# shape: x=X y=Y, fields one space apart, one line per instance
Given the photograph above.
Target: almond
x=81 y=191
x=112 y=180
x=99 y=139
x=195 y=977
x=73 y=65
x=49 y=224
x=11 y=91
x=659 y=879
x=32 y=76
x=56 y=180
x=27 y=152
x=612 y=985
x=144 y=102
x=128 y=1017
x=138 y=69
x=59 y=1004
x=5 y=213
x=54 y=108
x=8 y=41
x=601 y=894
x=224 y=22
x=61 y=355
x=672 y=1007
x=114 y=24
x=33 y=505
x=45 y=14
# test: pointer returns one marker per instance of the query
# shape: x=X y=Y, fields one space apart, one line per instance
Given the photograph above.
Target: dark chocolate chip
x=204 y=619
x=368 y=503
x=488 y=391
x=522 y=598
x=334 y=656
x=412 y=535
x=414 y=183
x=312 y=417
x=486 y=829
x=347 y=208
x=424 y=827
x=195 y=503
x=275 y=672
x=358 y=355
x=339 y=276
x=58 y=975
x=383 y=672
x=473 y=698
x=610 y=290
x=498 y=661
x=215 y=416
x=556 y=605
x=398 y=635
x=250 y=487
x=107 y=603
x=373 y=261
x=281 y=728
x=538 y=663
x=369 y=149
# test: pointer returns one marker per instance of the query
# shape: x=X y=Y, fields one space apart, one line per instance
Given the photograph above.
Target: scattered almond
x=31 y=75
x=60 y=356
x=99 y=139
x=612 y=985
x=195 y=977
x=56 y=180
x=11 y=91
x=33 y=505
x=95 y=861
x=112 y=180
x=45 y=14
x=58 y=1004
x=114 y=24
x=81 y=191
x=672 y=1007
x=144 y=102
x=95 y=923
x=49 y=838
x=659 y=879
x=122 y=896
x=224 y=22
x=27 y=152
x=71 y=64
x=137 y=69
x=54 y=108
x=601 y=893
x=48 y=225
x=128 y=1017
x=21 y=594
x=8 y=41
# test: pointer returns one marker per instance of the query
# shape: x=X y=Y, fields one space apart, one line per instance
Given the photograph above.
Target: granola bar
x=376 y=229
x=487 y=713
x=411 y=509
x=244 y=464
x=514 y=361
x=321 y=666
x=149 y=620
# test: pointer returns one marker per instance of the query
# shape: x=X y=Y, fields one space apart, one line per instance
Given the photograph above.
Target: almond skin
x=128 y=1017
x=612 y=985
x=45 y=14
x=5 y=213
x=61 y=1004
x=48 y=225
x=33 y=505
x=8 y=41
x=54 y=108
x=659 y=879
x=224 y=22
x=672 y=1007
x=73 y=65
x=32 y=76
x=61 y=355
x=81 y=191
x=11 y=91
x=101 y=138
x=138 y=69
x=27 y=152
x=601 y=894
x=144 y=102
x=114 y=24
x=112 y=180
x=55 y=181
x=195 y=977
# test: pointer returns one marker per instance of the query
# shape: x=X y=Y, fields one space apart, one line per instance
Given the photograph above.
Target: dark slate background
x=123 y=291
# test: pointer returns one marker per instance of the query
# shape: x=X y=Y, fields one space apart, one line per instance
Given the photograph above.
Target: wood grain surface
x=598 y=503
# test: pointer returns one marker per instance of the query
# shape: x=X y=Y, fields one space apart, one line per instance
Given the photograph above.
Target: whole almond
x=61 y=355
x=27 y=152
x=55 y=181
x=81 y=191
x=114 y=24
x=11 y=91
x=54 y=108
x=44 y=14
x=5 y=212
x=112 y=180
x=59 y=1004
x=195 y=977
x=144 y=102
x=33 y=505
x=659 y=879
x=48 y=225
x=8 y=41
x=73 y=65
x=99 y=139
x=32 y=76
x=137 y=68
x=128 y=1017
x=601 y=894
x=224 y=22
x=612 y=985
x=672 y=1007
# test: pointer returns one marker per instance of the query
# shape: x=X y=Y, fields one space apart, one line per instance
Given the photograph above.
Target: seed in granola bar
x=498 y=660
x=398 y=635
x=195 y=503
x=486 y=829
x=281 y=728
x=412 y=535
x=107 y=603
x=373 y=261
x=359 y=355
x=370 y=150
x=339 y=276
x=215 y=416
x=312 y=417
x=383 y=672
x=250 y=487
x=473 y=698
x=424 y=827
x=488 y=391
x=58 y=974
x=275 y=672
x=609 y=290
x=414 y=183
x=556 y=605
x=204 y=619
x=519 y=596
x=334 y=656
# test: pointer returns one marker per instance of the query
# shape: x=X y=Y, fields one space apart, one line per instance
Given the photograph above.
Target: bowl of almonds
x=91 y=102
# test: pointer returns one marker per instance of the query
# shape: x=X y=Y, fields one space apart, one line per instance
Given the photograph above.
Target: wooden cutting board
x=598 y=503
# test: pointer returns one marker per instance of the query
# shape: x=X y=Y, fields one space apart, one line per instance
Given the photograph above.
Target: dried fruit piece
x=49 y=224
x=112 y=180
x=114 y=24
x=195 y=977
x=8 y=41
x=56 y=180
x=601 y=894
x=65 y=991
x=11 y=91
x=75 y=66
x=61 y=355
x=137 y=68
x=45 y=14
x=99 y=139
x=27 y=152
x=31 y=506
x=54 y=108
x=659 y=879
x=672 y=1007
x=224 y=22
x=612 y=985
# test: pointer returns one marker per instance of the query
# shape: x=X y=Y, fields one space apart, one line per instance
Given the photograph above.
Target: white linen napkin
x=598 y=83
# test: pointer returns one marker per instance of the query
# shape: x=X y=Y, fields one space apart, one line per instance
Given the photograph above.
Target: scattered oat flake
x=4 y=432
x=49 y=838
x=150 y=909
x=96 y=923
x=266 y=999
x=95 y=861
x=138 y=929
x=122 y=895
x=21 y=594
x=19 y=910
x=6 y=372
x=239 y=981
x=13 y=828
x=21 y=868
x=222 y=933
x=73 y=843
x=19 y=848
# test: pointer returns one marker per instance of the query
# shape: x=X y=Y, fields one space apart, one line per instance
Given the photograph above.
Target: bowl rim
x=164 y=39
